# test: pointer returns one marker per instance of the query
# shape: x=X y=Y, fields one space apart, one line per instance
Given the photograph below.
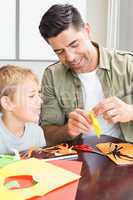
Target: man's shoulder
x=124 y=58
x=55 y=69
x=117 y=52
x=115 y=57
x=55 y=66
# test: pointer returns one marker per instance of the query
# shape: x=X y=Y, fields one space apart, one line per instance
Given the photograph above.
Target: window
x=21 y=20
x=7 y=29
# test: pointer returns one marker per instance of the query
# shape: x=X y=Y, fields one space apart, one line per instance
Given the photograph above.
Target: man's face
x=26 y=101
x=75 y=49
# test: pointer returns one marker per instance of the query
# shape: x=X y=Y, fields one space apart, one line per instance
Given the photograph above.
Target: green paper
x=12 y=184
x=6 y=159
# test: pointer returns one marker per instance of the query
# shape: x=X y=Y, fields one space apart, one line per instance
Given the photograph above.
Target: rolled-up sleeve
x=51 y=113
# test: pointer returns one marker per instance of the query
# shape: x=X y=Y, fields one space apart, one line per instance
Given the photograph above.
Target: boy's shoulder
x=34 y=131
x=33 y=126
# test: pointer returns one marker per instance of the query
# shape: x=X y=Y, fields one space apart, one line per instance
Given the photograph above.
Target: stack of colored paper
x=47 y=176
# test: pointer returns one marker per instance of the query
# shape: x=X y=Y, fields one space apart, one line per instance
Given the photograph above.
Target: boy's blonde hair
x=10 y=77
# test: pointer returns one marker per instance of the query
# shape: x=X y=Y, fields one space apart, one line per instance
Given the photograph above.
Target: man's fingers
x=78 y=122
x=75 y=126
x=81 y=117
x=110 y=115
x=102 y=107
x=83 y=114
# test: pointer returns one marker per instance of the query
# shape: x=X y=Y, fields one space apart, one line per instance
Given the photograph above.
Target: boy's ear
x=6 y=103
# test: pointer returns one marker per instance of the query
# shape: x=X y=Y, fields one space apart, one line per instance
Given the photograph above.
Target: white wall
x=7 y=24
x=97 y=12
x=126 y=25
x=96 y=17
x=37 y=67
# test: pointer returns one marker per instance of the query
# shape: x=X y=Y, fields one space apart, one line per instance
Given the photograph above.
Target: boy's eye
x=31 y=96
x=40 y=93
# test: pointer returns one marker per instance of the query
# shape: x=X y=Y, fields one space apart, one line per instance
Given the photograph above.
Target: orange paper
x=120 y=153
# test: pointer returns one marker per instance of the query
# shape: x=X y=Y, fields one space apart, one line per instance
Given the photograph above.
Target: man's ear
x=87 y=29
x=6 y=103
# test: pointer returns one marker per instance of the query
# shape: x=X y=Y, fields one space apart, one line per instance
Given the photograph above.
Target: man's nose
x=69 y=56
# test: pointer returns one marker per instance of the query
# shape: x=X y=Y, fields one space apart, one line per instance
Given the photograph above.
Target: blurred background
x=22 y=44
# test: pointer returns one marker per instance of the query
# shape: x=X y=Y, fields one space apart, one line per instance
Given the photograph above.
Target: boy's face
x=26 y=101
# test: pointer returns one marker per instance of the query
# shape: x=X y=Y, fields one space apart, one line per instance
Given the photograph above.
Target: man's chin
x=76 y=68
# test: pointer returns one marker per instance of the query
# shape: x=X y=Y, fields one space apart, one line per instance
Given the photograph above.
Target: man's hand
x=114 y=110
x=78 y=123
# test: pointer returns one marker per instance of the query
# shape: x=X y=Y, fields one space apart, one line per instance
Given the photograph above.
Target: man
x=86 y=77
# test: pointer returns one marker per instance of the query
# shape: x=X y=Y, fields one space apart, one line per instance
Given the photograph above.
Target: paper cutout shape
x=120 y=153
x=95 y=124
x=21 y=182
x=58 y=151
x=69 y=189
x=59 y=193
x=48 y=176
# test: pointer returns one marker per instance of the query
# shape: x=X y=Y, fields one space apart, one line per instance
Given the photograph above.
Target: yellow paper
x=95 y=124
x=48 y=176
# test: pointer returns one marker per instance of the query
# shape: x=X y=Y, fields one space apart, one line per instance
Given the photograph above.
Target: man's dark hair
x=58 y=18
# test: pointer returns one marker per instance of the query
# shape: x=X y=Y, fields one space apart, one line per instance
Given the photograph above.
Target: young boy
x=20 y=108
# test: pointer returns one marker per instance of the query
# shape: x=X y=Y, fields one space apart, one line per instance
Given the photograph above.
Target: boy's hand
x=114 y=110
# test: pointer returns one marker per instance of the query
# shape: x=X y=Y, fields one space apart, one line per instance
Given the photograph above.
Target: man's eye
x=59 y=52
x=75 y=45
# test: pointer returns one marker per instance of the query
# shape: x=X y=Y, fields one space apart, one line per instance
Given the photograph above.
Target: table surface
x=101 y=178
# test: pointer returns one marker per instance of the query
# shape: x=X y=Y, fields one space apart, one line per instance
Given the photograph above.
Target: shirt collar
x=104 y=61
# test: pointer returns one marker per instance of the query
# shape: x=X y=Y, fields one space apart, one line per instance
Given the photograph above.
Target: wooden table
x=101 y=178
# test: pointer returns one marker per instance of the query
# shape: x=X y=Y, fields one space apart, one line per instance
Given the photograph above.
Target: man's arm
x=56 y=134
x=52 y=117
x=78 y=123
